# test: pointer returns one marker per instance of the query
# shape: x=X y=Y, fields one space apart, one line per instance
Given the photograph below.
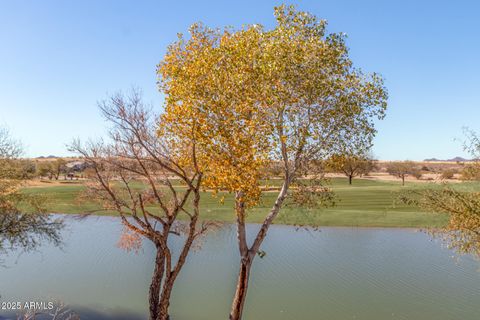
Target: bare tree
x=9 y=147
x=141 y=177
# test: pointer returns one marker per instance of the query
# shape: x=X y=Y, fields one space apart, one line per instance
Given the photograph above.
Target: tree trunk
x=350 y=178
x=247 y=255
x=155 y=285
x=171 y=274
x=164 y=303
x=241 y=290
x=403 y=180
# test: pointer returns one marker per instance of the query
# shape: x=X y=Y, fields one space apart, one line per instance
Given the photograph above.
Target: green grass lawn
x=366 y=203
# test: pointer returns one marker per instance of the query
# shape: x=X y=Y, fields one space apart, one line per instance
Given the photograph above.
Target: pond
x=333 y=273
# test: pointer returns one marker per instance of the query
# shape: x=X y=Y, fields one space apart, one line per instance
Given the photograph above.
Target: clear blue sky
x=57 y=58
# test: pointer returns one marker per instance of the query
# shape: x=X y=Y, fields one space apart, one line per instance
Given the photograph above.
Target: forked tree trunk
x=248 y=254
x=241 y=290
x=155 y=285
x=172 y=274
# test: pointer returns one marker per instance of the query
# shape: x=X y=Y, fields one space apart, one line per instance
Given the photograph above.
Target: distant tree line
x=24 y=225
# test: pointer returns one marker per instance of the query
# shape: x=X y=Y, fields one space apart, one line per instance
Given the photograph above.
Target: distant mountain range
x=47 y=157
x=456 y=159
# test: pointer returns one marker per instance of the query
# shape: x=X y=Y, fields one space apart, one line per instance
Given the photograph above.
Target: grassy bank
x=366 y=203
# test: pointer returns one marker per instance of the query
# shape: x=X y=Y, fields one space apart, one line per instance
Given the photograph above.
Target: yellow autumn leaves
x=246 y=97
x=214 y=99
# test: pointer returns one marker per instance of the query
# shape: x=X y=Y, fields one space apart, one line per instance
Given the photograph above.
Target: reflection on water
x=336 y=273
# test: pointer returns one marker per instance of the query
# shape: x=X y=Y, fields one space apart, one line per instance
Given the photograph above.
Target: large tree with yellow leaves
x=252 y=95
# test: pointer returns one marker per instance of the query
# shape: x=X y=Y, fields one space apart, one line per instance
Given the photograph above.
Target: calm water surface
x=334 y=273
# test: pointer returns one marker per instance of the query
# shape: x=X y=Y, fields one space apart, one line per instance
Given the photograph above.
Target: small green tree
x=52 y=169
x=44 y=169
x=58 y=167
x=402 y=169
x=350 y=165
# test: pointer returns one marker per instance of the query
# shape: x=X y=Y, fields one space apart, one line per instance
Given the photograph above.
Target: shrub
x=417 y=174
x=448 y=174
x=471 y=172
